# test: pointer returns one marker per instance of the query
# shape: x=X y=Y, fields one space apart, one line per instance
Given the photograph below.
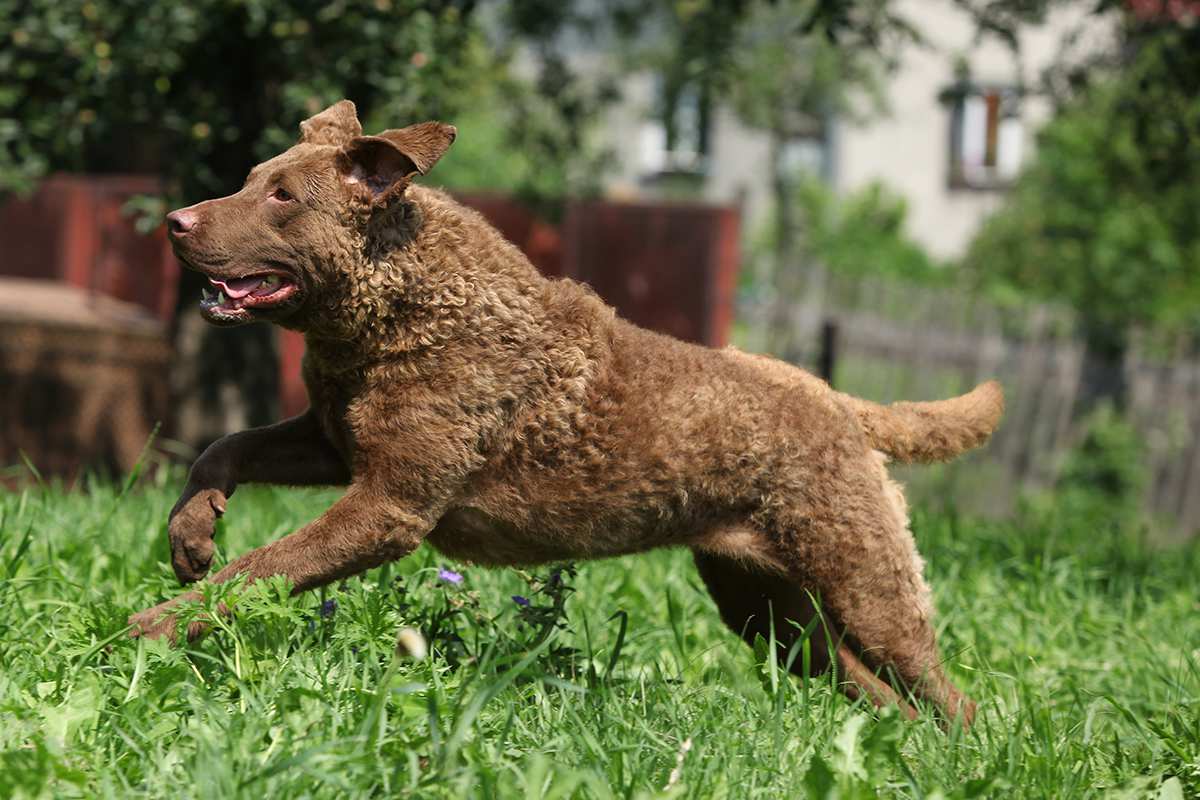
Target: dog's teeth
x=221 y=298
x=272 y=281
x=207 y=293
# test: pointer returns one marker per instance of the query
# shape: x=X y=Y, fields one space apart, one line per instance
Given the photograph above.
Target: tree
x=1104 y=219
x=201 y=91
x=797 y=65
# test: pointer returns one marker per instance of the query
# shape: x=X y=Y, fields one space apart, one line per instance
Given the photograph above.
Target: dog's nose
x=181 y=222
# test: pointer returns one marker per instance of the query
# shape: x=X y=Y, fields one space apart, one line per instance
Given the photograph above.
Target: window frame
x=1003 y=105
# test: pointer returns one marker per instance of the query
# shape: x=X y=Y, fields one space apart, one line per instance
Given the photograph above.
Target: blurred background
x=906 y=196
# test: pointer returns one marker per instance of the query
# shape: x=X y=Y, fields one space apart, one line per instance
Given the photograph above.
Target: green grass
x=1080 y=645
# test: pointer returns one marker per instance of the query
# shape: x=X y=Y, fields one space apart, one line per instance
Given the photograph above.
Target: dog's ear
x=383 y=165
x=335 y=125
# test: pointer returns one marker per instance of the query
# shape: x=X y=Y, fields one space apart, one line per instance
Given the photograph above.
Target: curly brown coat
x=506 y=418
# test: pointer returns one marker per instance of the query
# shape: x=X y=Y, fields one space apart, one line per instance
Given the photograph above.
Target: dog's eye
x=282 y=195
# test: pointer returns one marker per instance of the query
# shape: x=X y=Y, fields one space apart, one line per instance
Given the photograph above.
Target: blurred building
x=961 y=118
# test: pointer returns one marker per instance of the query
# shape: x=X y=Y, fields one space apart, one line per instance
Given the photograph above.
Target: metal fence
x=901 y=342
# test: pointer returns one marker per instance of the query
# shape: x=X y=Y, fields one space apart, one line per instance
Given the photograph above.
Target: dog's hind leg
x=854 y=546
x=750 y=597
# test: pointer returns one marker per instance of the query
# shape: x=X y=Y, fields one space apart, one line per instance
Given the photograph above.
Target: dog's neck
x=436 y=278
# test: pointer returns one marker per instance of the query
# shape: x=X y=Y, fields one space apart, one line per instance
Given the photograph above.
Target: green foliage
x=862 y=233
x=1105 y=472
x=518 y=140
x=787 y=79
x=1082 y=655
x=1005 y=18
x=1096 y=503
x=1104 y=218
x=783 y=65
x=858 y=234
x=861 y=763
x=201 y=91
x=483 y=160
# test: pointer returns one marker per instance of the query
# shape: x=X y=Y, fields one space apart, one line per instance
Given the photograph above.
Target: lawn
x=619 y=681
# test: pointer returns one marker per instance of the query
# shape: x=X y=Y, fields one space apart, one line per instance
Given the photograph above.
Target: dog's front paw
x=193 y=522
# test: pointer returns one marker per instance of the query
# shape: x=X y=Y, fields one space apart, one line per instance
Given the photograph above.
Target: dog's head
x=299 y=219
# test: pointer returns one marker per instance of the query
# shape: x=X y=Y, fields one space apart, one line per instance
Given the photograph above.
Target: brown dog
x=509 y=419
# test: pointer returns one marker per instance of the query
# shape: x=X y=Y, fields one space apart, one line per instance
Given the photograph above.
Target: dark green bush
x=201 y=91
x=1104 y=218
x=1105 y=470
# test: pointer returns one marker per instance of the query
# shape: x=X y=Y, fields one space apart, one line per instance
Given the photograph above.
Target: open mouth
x=237 y=298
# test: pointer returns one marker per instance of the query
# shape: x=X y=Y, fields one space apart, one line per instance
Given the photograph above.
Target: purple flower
x=449 y=576
x=521 y=601
x=328 y=608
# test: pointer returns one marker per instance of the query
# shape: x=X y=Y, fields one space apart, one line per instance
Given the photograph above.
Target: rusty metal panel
x=668 y=267
x=537 y=239
x=73 y=230
x=293 y=395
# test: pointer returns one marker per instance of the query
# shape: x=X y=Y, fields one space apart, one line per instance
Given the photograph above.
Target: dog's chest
x=473 y=534
x=330 y=401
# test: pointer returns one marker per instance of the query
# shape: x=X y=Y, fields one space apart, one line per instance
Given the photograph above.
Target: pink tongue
x=239 y=287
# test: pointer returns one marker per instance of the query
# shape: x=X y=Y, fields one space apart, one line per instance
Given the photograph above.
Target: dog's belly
x=471 y=534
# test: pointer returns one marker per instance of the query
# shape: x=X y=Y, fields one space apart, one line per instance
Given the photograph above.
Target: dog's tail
x=937 y=431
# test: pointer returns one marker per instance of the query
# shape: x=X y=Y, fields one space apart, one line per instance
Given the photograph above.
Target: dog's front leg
x=294 y=452
x=416 y=444
x=361 y=530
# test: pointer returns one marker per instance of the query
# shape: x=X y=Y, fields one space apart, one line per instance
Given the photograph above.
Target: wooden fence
x=901 y=342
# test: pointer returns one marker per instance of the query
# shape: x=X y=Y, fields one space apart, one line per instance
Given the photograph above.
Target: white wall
x=908 y=149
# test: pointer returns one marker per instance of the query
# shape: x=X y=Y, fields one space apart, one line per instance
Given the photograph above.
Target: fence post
x=827 y=359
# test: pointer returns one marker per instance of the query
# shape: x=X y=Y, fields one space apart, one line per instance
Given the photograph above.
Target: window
x=986 y=137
